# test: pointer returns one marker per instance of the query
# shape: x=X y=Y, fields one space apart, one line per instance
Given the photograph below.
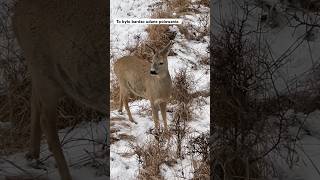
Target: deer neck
x=159 y=87
x=163 y=76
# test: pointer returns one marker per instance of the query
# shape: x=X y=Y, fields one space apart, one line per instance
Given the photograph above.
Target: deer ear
x=167 y=48
x=153 y=50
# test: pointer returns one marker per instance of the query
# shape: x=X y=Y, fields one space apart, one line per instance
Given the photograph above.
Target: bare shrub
x=179 y=6
x=205 y=3
x=250 y=120
x=152 y=155
x=182 y=86
x=160 y=35
x=187 y=7
x=197 y=33
x=179 y=126
x=139 y=49
x=199 y=149
x=114 y=93
x=201 y=170
x=241 y=82
x=69 y=114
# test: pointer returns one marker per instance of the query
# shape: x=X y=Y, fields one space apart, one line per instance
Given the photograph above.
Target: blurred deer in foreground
x=150 y=81
x=64 y=43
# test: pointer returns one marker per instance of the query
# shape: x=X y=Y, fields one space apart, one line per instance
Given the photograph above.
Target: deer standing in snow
x=64 y=43
x=150 y=81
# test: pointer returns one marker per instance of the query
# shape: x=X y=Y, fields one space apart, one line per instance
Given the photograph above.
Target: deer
x=64 y=44
x=149 y=80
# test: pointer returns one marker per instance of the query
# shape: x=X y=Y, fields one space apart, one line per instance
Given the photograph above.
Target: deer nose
x=153 y=72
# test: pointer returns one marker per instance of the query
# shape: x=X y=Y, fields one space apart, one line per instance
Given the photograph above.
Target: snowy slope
x=83 y=151
x=282 y=40
x=307 y=157
x=124 y=162
x=304 y=57
x=121 y=35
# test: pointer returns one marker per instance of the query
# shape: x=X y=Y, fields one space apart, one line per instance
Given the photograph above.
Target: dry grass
x=235 y=165
x=182 y=87
x=201 y=170
x=160 y=35
x=152 y=155
x=179 y=6
x=12 y=141
x=183 y=7
x=205 y=3
x=199 y=149
x=205 y=61
x=196 y=33
x=114 y=94
x=15 y=108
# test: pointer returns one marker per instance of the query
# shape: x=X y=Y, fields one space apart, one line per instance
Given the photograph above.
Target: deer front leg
x=163 y=109
x=155 y=116
x=35 y=139
x=48 y=123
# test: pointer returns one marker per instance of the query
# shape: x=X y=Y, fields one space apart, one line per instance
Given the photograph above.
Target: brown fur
x=64 y=43
x=134 y=77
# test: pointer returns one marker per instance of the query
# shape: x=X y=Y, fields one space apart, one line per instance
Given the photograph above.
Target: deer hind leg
x=125 y=101
x=163 y=109
x=48 y=118
x=155 y=116
x=120 y=102
x=34 y=149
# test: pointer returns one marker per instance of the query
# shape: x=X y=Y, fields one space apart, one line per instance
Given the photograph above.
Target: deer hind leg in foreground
x=64 y=45
x=151 y=81
x=124 y=98
x=44 y=112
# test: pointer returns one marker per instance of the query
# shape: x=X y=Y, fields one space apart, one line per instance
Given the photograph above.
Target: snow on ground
x=5 y=125
x=307 y=164
x=281 y=40
x=305 y=57
x=83 y=151
x=127 y=167
x=121 y=35
x=183 y=169
x=124 y=163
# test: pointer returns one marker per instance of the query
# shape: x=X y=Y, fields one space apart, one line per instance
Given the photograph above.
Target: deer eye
x=161 y=63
